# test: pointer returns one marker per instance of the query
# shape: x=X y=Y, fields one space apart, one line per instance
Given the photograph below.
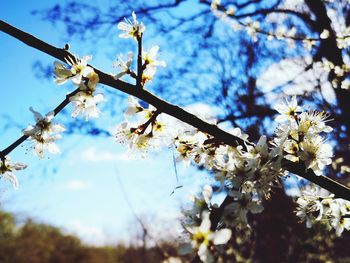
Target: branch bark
x=139 y=62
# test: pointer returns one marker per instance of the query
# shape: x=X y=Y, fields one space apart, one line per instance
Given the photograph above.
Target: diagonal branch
x=339 y=190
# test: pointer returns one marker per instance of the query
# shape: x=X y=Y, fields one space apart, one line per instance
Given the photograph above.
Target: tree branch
x=339 y=190
x=305 y=17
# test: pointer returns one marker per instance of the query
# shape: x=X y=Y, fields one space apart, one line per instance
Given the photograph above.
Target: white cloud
x=77 y=185
x=93 y=155
x=89 y=234
x=291 y=74
x=203 y=110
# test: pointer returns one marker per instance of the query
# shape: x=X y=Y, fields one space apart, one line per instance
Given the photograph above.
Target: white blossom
x=78 y=69
x=318 y=205
x=44 y=133
x=133 y=106
x=242 y=204
x=303 y=211
x=312 y=122
x=86 y=104
x=340 y=209
x=324 y=34
x=132 y=28
x=123 y=65
x=316 y=153
x=148 y=74
x=7 y=169
x=287 y=109
x=150 y=58
x=202 y=237
x=199 y=204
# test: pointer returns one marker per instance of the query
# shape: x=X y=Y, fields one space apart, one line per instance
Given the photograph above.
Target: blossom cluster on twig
x=248 y=174
x=316 y=205
x=254 y=28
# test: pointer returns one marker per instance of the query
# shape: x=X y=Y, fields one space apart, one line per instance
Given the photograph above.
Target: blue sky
x=78 y=190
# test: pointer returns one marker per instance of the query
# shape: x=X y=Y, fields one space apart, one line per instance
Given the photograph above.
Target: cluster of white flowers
x=7 y=168
x=83 y=76
x=299 y=136
x=249 y=172
x=149 y=58
x=318 y=205
x=246 y=173
x=253 y=28
x=143 y=128
x=44 y=133
x=343 y=40
x=340 y=71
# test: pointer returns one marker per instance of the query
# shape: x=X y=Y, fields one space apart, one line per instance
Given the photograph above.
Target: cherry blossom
x=7 y=169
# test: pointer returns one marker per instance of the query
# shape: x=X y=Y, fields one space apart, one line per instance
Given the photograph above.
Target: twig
x=151 y=120
x=139 y=220
x=19 y=141
x=139 y=62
